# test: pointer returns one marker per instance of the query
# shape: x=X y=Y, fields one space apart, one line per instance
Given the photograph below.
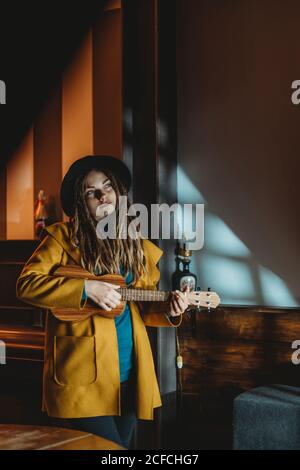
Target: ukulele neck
x=143 y=295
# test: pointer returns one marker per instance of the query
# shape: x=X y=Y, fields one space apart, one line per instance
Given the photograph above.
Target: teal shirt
x=125 y=337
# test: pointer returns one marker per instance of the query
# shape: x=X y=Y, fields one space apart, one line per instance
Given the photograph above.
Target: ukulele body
x=91 y=308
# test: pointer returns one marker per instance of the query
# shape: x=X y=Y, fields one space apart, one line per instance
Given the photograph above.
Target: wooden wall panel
x=19 y=198
x=48 y=154
x=22 y=330
x=236 y=348
x=3 y=194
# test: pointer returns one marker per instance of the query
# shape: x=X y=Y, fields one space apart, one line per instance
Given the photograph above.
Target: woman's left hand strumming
x=178 y=302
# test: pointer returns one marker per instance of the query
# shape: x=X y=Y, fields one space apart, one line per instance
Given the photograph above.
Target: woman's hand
x=103 y=293
x=178 y=303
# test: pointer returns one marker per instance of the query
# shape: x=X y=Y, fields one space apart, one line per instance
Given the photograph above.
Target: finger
x=105 y=307
x=100 y=303
x=110 y=303
x=175 y=308
x=113 y=286
x=180 y=305
x=183 y=299
x=114 y=297
x=180 y=295
x=111 y=293
x=115 y=294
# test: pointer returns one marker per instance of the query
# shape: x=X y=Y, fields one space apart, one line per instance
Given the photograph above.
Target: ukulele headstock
x=205 y=299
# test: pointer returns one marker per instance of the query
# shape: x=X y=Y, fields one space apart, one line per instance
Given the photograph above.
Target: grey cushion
x=267 y=418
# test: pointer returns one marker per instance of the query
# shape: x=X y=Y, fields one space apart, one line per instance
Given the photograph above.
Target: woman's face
x=99 y=194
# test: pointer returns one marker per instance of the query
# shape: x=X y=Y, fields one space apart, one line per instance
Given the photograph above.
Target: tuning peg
x=198 y=306
x=208 y=308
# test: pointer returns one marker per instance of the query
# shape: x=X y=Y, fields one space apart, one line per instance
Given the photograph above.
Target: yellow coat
x=81 y=365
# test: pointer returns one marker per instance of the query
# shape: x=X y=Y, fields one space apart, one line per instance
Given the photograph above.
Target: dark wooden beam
x=47 y=167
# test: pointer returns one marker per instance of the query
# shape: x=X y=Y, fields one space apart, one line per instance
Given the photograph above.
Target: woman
x=99 y=373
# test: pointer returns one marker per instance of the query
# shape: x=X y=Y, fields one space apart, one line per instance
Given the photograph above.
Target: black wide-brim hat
x=84 y=165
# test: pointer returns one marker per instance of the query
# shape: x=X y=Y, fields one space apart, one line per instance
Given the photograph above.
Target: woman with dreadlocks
x=99 y=373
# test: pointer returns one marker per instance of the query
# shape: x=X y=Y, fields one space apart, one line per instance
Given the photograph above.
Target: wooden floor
x=32 y=437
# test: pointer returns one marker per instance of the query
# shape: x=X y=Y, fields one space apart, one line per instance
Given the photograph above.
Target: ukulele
x=195 y=298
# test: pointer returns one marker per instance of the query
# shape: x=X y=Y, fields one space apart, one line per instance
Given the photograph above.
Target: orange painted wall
x=19 y=195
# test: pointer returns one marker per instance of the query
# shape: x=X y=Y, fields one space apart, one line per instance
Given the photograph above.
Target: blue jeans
x=115 y=428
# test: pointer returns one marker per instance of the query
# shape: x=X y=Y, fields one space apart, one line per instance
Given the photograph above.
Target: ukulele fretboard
x=143 y=295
